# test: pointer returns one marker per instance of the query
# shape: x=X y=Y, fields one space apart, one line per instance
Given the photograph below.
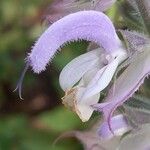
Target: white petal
x=72 y=100
x=73 y=71
x=84 y=109
x=89 y=75
x=101 y=79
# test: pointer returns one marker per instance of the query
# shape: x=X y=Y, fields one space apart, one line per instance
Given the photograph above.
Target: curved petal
x=88 y=25
x=74 y=70
x=103 y=77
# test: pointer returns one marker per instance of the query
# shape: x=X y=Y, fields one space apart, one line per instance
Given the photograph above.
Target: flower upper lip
x=98 y=29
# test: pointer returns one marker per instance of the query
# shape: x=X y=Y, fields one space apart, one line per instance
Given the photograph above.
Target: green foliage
x=16 y=132
x=21 y=23
x=60 y=120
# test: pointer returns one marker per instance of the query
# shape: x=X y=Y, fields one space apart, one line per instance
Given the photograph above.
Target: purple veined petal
x=126 y=85
x=103 y=5
x=75 y=69
x=88 y=25
x=60 y=8
x=119 y=126
x=103 y=77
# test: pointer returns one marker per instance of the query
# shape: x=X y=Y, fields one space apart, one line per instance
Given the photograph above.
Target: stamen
x=20 y=81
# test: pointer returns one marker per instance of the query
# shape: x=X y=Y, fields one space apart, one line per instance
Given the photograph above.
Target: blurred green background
x=35 y=122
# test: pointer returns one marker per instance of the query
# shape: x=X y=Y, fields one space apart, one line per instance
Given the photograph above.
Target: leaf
x=129 y=12
x=59 y=120
x=138 y=110
x=144 y=9
x=136 y=14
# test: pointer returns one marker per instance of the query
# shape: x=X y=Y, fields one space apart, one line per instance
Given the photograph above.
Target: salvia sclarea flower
x=87 y=75
x=98 y=65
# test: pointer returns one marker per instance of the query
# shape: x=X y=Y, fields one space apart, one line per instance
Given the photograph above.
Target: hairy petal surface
x=126 y=85
x=88 y=25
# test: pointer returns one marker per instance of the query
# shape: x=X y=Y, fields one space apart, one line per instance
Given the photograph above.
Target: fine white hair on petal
x=88 y=25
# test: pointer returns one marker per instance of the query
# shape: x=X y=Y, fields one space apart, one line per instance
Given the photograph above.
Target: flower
x=96 y=68
x=87 y=75
x=92 y=26
x=93 y=70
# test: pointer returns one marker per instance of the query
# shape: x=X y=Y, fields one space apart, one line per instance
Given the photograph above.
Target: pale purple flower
x=86 y=76
x=94 y=70
x=99 y=65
